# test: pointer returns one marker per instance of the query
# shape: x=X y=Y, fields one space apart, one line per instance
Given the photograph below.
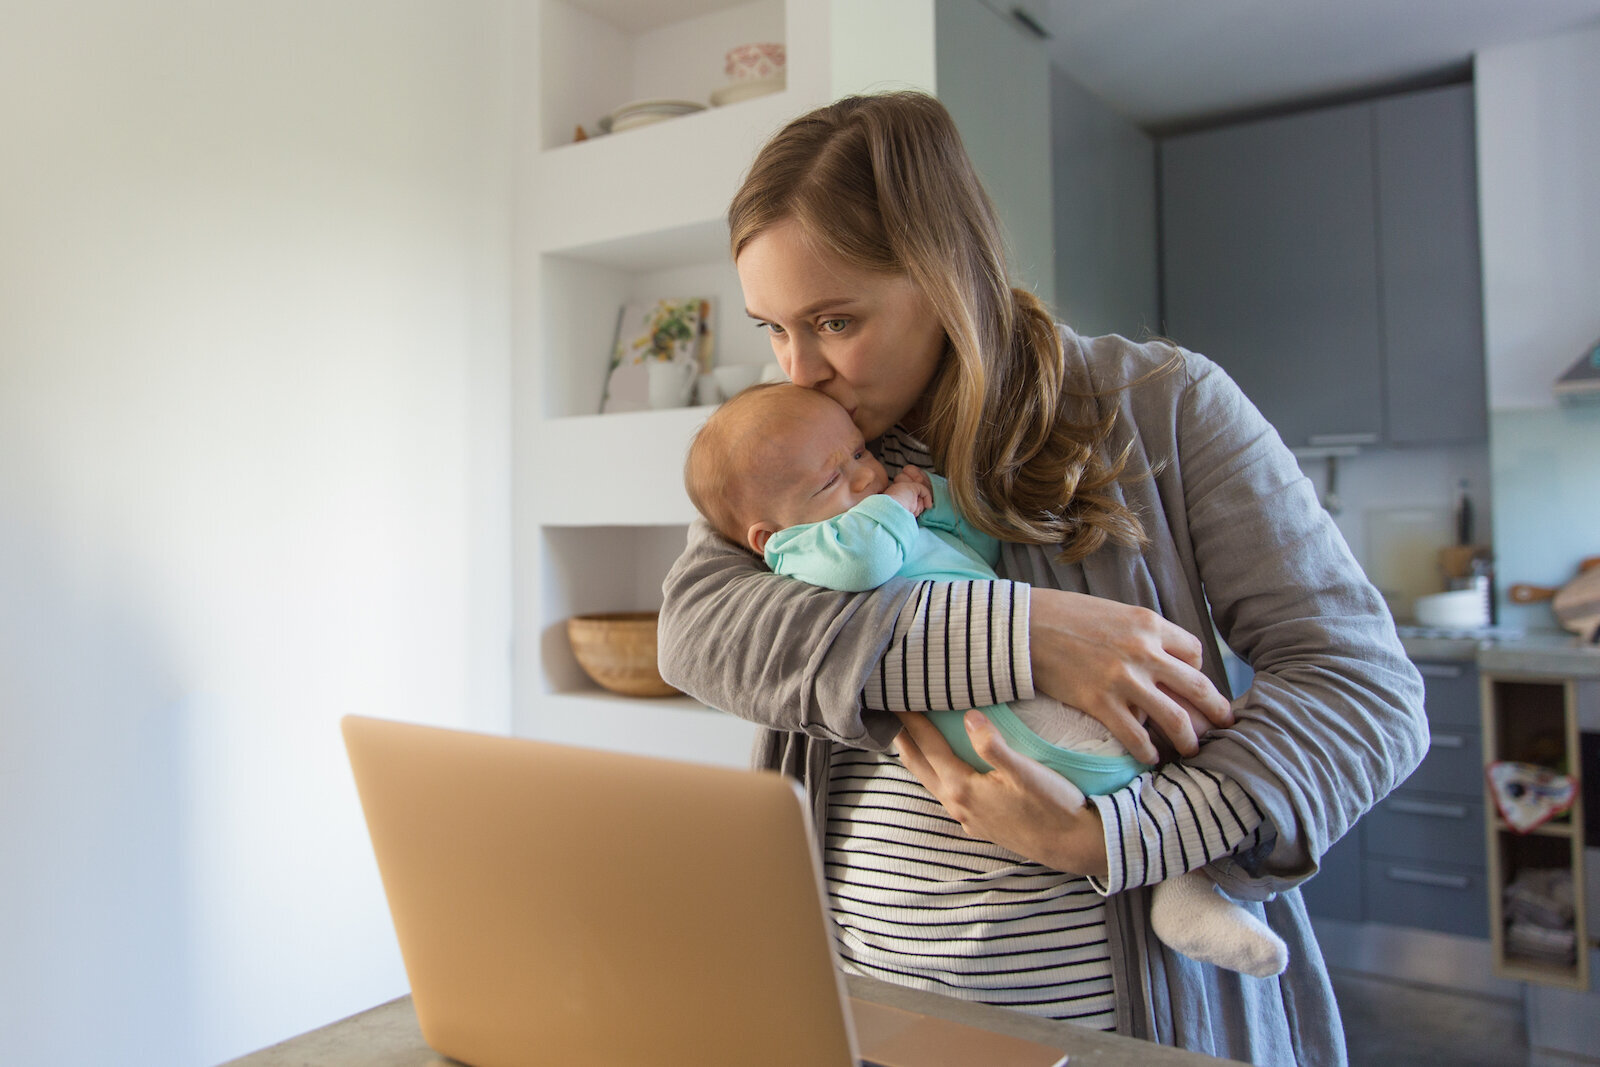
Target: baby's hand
x=912 y=490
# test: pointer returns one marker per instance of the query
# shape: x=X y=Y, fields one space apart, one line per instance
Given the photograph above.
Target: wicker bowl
x=618 y=650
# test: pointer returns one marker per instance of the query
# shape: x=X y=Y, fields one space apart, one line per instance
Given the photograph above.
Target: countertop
x=1551 y=652
x=388 y=1036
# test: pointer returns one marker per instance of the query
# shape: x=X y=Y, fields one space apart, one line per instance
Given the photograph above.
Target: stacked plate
x=644 y=112
x=734 y=92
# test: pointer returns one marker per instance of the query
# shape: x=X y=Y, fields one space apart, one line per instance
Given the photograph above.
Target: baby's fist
x=912 y=490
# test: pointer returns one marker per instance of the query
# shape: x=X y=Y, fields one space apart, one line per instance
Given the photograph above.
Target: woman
x=1141 y=499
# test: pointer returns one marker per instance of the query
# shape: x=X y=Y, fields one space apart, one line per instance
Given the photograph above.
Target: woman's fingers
x=910 y=752
x=1126 y=724
x=1126 y=666
x=987 y=742
x=1191 y=686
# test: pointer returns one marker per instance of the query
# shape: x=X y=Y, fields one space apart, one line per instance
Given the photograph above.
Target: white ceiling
x=1166 y=63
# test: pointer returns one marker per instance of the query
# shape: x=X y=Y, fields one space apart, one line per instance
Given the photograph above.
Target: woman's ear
x=756 y=537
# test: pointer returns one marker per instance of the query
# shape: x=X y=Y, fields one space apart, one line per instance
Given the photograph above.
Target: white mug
x=671 y=382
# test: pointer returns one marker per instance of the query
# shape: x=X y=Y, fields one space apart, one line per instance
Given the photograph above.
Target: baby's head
x=778 y=455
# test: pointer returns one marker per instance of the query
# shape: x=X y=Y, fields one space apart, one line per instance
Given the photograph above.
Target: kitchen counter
x=388 y=1036
x=1553 y=652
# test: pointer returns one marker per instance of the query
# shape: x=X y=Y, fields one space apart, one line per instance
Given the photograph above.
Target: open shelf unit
x=623 y=217
x=1534 y=719
x=639 y=214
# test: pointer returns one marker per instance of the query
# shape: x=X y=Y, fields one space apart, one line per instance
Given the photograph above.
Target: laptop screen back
x=564 y=905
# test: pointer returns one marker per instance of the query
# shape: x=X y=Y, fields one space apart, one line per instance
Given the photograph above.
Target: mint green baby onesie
x=879 y=539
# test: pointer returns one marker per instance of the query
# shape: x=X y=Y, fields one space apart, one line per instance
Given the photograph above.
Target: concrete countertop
x=1537 y=652
x=388 y=1036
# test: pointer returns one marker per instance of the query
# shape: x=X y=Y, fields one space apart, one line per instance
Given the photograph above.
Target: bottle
x=1463 y=515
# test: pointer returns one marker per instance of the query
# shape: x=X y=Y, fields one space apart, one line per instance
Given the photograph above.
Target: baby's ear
x=758 y=534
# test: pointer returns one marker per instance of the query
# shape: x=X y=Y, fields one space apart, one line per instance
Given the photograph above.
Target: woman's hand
x=1019 y=805
x=1127 y=667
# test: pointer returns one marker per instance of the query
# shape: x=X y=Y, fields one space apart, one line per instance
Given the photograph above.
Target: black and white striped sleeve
x=956 y=645
x=1172 y=820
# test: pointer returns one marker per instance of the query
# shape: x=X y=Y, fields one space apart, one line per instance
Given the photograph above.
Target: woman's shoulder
x=1111 y=361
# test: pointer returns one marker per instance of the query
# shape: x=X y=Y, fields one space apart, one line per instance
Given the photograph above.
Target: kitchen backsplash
x=1546 y=468
x=1396 y=509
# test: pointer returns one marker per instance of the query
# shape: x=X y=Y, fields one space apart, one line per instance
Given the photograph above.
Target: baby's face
x=828 y=469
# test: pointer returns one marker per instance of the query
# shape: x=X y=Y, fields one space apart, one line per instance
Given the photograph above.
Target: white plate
x=628 y=115
x=642 y=118
x=746 y=90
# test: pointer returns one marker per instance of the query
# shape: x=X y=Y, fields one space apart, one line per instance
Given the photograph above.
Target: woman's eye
x=770 y=327
x=835 y=325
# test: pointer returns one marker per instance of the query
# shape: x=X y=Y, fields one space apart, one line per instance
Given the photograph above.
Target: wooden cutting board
x=1576 y=604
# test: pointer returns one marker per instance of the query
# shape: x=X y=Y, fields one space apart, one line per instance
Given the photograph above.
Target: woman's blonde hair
x=884 y=183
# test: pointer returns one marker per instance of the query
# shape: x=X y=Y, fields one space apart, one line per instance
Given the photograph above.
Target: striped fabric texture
x=918 y=902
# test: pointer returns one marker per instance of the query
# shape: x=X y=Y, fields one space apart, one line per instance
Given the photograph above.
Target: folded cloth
x=1541 y=896
x=1538 y=942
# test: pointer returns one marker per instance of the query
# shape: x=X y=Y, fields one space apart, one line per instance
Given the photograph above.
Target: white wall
x=1104 y=187
x=995 y=79
x=253 y=476
x=1539 y=178
x=1539 y=198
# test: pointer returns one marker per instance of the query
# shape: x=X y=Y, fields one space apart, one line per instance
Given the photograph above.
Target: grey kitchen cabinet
x=1328 y=260
x=1419 y=857
x=1430 y=274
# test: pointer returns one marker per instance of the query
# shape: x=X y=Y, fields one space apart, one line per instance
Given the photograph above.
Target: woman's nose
x=805 y=366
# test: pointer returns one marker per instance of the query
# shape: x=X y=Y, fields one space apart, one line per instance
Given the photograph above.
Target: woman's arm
x=778 y=652
x=1333 y=719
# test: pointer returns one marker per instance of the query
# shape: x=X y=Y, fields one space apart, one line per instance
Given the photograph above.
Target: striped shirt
x=919 y=902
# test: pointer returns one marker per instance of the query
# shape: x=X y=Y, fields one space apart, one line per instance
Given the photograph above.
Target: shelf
x=1549 y=829
x=617 y=470
x=596 y=55
x=670 y=727
x=582 y=289
x=1542 y=972
x=1534 y=720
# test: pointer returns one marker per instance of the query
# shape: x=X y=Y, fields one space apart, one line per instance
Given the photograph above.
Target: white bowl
x=746 y=90
x=755 y=61
x=1458 y=609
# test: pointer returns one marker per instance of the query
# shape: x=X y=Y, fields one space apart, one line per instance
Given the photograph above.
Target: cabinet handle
x=1438 y=670
x=1444 y=881
x=1423 y=807
x=1447 y=741
x=1335 y=439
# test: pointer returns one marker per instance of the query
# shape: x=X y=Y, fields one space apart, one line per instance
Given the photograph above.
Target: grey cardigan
x=1332 y=721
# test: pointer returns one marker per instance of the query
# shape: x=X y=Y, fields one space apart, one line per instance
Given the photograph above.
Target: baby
x=782 y=471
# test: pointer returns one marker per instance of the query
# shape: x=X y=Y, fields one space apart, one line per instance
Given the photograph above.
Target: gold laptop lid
x=567 y=906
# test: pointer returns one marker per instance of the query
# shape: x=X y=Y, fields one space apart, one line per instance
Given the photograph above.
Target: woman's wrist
x=1083 y=848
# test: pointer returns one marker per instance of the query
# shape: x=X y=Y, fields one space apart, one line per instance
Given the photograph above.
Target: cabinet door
x=1334 y=892
x=1429 y=268
x=1269 y=266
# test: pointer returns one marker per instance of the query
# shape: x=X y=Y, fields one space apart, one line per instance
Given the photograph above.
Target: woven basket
x=618 y=650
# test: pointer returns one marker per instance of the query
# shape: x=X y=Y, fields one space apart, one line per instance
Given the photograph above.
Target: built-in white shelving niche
x=671 y=727
x=597 y=55
x=597 y=568
x=618 y=568
x=584 y=288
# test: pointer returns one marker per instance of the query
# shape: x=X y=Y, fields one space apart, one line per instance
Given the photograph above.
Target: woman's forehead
x=783 y=266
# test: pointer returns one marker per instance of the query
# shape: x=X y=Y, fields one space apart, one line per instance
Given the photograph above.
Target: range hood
x=1582 y=379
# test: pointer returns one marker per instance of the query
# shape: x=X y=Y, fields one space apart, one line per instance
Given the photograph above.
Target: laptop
x=565 y=905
